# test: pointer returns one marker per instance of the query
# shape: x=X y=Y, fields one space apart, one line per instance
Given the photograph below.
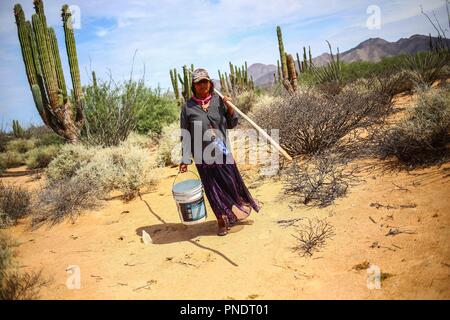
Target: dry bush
x=312 y=236
x=79 y=177
x=70 y=158
x=245 y=101
x=169 y=146
x=14 y=204
x=423 y=136
x=319 y=180
x=15 y=285
x=312 y=122
x=65 y=198
x=11 y=159
x=40 y=157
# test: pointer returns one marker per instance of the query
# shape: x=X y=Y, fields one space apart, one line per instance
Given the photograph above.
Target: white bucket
x=188 y=195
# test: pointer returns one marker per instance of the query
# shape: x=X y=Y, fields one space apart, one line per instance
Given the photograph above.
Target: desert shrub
x=311 y=122
x=423 y=135
x=4 y=139
x=329 y=78
x=40 y=157
x=169 y=148
x=127 y=168
x=312 y=236
x=138 y=140
x=65 y=198
x=14 y=203
x=317 y=181
x=16 y=285
x=43 y=135
x=113 y=110
x=11 y=159
x=158 y=111
x=264 y=101
x=69 y=159
x=424 y=68
x=21 y=145
x=245 y=101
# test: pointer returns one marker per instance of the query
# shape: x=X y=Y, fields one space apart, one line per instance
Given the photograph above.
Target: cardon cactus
x=43 y=67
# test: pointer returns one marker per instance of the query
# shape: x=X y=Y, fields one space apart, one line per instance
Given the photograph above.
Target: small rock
x=146 y=238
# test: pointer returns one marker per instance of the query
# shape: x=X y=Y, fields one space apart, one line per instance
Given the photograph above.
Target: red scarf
x=202 y=102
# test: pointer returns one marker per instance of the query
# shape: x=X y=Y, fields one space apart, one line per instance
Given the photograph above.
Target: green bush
x=40 y=157
x=21 y=145
x=159 y=111
x=11 y=159
x=426 y=67
x=114 y=110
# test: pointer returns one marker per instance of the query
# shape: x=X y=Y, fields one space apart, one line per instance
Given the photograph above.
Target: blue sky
x=171 y=33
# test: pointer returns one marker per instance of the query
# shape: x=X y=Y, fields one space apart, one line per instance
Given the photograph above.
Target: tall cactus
x=187 y=83
x=284 y=70
x=299 y=63
x=17 y=129
x=44 y=71
x=286 y=77
x=174 y=80
x=310 y=56
x=305 y=60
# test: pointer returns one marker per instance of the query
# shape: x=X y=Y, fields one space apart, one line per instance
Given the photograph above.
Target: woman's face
x=202 y=87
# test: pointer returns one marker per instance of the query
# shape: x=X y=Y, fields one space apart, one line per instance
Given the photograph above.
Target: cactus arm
x=58 y=65
x=284 y=69
x=23 y=31
x=72 y=53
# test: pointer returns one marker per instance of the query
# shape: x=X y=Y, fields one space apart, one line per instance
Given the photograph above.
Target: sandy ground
x=255 y=260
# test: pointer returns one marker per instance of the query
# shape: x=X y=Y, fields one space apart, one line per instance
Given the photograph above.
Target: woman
x=227 y=194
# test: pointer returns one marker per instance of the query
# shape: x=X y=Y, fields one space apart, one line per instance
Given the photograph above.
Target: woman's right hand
x=182 y=168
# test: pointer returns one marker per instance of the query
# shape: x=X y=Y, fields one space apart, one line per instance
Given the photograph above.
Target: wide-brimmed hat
x=200 y=74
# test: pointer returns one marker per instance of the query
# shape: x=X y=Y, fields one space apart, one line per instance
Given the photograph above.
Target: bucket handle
x=173 y=183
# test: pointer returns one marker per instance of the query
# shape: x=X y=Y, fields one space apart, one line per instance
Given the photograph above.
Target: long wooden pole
x=273 y=142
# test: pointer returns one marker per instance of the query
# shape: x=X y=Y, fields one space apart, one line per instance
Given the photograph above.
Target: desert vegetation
x=106 y=139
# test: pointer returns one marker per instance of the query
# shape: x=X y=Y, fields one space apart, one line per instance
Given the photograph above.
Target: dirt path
x=256 y=260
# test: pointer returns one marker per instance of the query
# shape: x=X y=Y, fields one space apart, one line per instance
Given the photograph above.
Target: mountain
x=372 y=50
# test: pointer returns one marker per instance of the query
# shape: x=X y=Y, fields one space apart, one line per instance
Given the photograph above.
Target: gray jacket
x=193 y=117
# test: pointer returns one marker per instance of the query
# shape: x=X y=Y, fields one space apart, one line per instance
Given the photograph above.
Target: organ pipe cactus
x=174 y=80
x=17 y=129
x=299 y=63
x=44 y=72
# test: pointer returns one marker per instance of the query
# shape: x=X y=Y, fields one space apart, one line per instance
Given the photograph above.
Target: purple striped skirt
x=226 y=191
